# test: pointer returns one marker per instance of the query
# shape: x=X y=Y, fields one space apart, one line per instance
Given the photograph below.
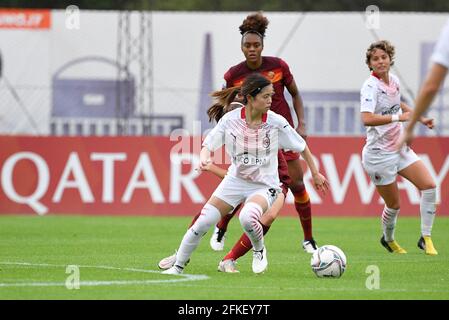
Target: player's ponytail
x=223 y=98
x=252 y=85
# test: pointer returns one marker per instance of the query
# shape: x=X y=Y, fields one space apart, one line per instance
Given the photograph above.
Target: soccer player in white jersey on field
x=382 y=113
x=432 y=84
x=252 y=136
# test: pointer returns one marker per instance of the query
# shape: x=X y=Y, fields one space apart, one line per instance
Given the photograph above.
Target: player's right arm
x=214 y=140
x=216 y=170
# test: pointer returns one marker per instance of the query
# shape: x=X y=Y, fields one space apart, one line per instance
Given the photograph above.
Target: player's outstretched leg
x=210 y=216
x=168 y=262
x=304 y=209
x=302 y=203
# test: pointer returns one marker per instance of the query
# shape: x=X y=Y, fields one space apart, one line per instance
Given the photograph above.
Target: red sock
x=302 y=205
x=223 y=223
x=243 y=245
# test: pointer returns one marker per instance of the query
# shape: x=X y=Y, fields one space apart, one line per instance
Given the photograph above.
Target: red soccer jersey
x=274 y=69
x=283 y=173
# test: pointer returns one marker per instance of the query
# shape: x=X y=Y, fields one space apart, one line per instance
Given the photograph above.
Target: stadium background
x=122 y=95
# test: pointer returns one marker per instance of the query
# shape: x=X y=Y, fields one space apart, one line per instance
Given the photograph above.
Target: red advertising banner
x=156 y=176
x=25 y=18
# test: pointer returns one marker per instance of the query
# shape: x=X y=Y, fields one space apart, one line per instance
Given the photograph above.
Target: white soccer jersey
x=253 y=152
x=441 y=51
x=379 y=98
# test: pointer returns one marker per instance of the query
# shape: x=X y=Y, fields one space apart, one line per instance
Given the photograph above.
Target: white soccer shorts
x=383 y=167
x=234 y=191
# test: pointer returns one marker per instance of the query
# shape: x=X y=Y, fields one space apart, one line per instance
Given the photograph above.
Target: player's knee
x=250 y=213
x=428 y=185
x=210 y=215
x=297 y=187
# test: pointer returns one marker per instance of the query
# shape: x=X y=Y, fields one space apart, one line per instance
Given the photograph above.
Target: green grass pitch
x=117 y=259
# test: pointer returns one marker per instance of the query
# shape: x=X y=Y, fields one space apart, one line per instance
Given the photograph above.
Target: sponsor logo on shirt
x=392 y=110
x=250 y=160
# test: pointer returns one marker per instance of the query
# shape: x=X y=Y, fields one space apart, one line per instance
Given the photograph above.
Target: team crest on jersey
x=270 y=75
x=266 y=142
x=377 y=177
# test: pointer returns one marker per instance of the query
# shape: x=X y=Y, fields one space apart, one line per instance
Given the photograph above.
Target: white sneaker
x=228 y=266
x=260 y=261
x=173 y=270
x=218 y=239
x=167 y=262
x=309 y=246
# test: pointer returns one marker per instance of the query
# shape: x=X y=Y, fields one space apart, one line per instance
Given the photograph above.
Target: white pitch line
x=183 y=277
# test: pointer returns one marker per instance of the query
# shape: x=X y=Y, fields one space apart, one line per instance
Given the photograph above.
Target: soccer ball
x=328 y=261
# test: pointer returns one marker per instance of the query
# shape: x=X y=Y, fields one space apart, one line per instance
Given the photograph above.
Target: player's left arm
x=428 y=122
x=319 y=181
x=299 y=108
x=290 y=139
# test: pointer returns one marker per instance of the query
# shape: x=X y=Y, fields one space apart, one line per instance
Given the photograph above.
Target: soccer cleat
x=168 y=262
x=228 y=266
x=217 y=240
x=392 y=246
x=174 y=270
x=309 y=246
x=260 y=261
x=425 y=243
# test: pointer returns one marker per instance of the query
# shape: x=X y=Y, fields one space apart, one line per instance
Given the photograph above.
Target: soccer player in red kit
x=278 y=72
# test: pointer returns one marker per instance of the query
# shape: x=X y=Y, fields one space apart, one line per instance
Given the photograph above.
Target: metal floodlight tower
x=135 y=58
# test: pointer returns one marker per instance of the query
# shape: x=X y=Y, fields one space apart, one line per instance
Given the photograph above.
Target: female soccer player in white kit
x=382 y=112
x=252 y=136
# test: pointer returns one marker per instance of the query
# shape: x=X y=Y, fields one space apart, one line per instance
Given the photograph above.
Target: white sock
x=427 y=209
x=249 y=219
x=389 y=218
x=209 y=217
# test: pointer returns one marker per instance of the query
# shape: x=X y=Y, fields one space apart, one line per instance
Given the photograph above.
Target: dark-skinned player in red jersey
x=278 y=72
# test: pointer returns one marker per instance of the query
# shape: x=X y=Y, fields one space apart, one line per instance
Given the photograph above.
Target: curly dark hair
x=254 y=23
x=385 y=46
